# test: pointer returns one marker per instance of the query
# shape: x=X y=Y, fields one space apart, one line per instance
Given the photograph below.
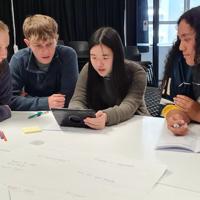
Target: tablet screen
x=72 y=117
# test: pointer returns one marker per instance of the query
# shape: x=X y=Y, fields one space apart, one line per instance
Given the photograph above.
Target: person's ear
x=27 y=42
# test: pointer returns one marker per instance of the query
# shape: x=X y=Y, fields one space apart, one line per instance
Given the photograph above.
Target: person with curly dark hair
x=5 y=77
x=181 y=83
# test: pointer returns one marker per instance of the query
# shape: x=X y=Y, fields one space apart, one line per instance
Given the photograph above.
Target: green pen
x=36 y=114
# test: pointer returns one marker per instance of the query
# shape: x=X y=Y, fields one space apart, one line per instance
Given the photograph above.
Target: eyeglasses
x=188 y=84
x=184 y=83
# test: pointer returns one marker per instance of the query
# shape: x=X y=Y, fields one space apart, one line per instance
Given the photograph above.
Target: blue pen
x=36 y=114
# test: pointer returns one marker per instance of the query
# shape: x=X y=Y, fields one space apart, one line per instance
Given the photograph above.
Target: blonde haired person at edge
x=109 y=84
x=5 y=78
x=182 y=75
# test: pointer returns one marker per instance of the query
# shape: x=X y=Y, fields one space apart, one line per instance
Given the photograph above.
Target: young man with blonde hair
x=44 y=74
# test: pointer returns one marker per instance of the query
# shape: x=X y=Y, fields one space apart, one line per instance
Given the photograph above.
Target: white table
x=132 y=140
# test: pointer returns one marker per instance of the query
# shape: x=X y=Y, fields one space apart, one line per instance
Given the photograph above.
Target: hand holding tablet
x=72 y=117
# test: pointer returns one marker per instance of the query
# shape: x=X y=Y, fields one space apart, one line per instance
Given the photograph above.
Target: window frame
x=169 y=22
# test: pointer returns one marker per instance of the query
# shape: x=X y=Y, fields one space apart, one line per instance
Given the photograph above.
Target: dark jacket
x=183 y=79
x=5 y=92
x=61 y=78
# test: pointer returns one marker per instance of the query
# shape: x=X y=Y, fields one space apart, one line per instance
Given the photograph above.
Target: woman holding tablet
x=109 y=84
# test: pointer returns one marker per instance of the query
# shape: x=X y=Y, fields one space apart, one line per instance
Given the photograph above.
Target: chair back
x=132 y=53
x=81 y=48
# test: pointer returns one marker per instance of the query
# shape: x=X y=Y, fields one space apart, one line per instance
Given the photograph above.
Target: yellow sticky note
x=32 y=129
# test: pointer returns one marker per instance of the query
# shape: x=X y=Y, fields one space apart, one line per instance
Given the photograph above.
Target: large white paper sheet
x=73 y=175
x=4 y=192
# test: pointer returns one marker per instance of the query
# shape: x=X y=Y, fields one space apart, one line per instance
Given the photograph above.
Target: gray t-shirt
x=42 y=67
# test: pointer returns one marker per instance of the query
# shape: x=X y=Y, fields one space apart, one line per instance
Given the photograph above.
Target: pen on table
x=37 y=114
x=2 y=136
x=176 y=125
x=179 y=125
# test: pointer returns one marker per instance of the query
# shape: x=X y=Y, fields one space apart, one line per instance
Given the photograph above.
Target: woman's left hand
x=97 y=123
x=188 y=105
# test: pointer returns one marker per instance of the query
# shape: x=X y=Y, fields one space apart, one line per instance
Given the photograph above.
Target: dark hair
x=120 y=78
x=192 y=17
x=169 y=63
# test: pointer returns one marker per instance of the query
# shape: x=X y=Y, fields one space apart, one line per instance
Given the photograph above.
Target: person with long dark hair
x=181 y=81
x=109 y=84
x=5 y=77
